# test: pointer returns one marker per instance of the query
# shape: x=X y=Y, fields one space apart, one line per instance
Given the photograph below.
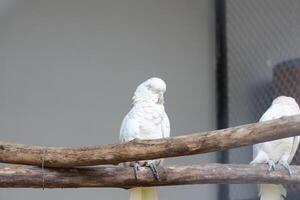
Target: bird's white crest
x=284 y=100
x=151 y=90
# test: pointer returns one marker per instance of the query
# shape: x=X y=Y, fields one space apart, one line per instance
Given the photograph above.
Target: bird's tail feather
x=143 y=193
x=271 y=192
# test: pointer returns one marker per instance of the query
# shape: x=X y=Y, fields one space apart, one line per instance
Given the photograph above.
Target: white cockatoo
x=147 y=119
x=279 y=151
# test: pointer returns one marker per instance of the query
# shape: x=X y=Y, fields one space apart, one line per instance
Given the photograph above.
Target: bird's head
x=284 y=100
x=151 y=90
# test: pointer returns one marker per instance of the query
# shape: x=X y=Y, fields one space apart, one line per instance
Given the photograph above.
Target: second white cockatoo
x=279 y=151
x=147 y=119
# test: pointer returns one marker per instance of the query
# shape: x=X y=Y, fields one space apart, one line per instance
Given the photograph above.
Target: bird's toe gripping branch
x=271 y=165
x=286 y=165
x=152 y=165
x=136 y=167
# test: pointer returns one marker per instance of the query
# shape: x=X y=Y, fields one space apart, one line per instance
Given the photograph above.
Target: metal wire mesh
x=263 y=47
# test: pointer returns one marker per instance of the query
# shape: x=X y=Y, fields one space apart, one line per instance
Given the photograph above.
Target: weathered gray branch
x=151 y=149
x=121 y=177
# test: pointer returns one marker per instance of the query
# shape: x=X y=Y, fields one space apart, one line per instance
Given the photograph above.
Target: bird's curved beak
x=161 y=98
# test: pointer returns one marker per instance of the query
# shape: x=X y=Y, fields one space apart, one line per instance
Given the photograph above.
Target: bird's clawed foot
x=136 y=167
x=271 y=165
x=286 y=165
x=152 y=165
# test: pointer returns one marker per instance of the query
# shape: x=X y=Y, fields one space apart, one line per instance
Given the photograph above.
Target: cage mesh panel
x=263 y=38
x=286 y=82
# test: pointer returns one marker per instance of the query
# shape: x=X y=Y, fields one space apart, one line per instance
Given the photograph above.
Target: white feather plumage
x=147 y=119
x=277 y=151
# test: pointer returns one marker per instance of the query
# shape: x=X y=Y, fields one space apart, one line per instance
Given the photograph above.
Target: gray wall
x=260 y=34
x=68 y=69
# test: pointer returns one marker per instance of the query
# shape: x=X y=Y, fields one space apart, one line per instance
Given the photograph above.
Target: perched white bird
x=147 y=119
x=279 y=151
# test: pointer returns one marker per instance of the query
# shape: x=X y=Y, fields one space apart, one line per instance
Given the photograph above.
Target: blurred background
x=68 y=70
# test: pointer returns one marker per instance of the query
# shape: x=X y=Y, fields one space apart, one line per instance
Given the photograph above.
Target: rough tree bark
x=151 y=149
x=121 y=177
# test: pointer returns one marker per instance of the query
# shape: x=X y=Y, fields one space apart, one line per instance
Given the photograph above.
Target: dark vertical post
x=221 y=82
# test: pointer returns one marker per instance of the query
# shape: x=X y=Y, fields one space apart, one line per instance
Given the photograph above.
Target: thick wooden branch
x=121 y=177
x=151 y=149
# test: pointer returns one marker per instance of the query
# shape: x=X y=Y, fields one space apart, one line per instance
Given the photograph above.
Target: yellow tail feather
x=143 y=193
x=271 y=192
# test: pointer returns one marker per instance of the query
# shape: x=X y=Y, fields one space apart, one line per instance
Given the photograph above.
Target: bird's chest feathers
x=278 y=148
x=150 y=117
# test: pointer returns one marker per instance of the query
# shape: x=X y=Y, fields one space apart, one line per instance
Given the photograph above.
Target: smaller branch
x=122 y=177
